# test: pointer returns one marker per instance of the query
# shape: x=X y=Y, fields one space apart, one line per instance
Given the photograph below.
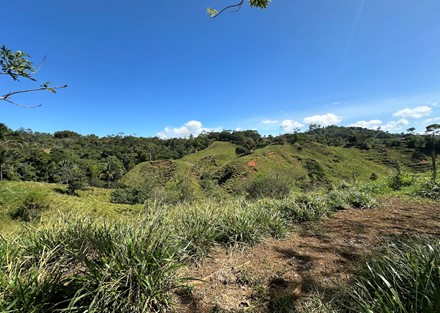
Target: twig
x=39 y=66
x=238 y=6
x=6 y=96
x=22 y=105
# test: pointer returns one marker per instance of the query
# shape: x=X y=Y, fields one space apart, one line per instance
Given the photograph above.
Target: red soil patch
x=252 y=163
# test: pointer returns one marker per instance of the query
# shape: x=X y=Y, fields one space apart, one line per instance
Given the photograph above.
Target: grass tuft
x=406 y=278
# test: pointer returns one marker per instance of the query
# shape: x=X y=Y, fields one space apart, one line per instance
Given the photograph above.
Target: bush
x=248 y=222
x=400 y=180
x=310 y=207
x=405 y=278
x=361 y=200
x=240 y=151
x=429 y=189
x=338 y=200
x=377 y=187
x=31 y=207
x=129 y=196
x=275 y=185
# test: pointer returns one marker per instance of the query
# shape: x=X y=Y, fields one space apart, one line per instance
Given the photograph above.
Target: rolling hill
x=307 y=164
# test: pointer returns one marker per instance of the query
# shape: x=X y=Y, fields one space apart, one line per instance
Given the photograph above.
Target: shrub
x=361 y=199
x=183 y=188
x=338 y=200
x=274 y=185
x=316 y=172
x=429 y=189
x=400 y=180
x=380 y=186
x=311 y=207
x=31 y=207
x=129 y=196
x=240 y=151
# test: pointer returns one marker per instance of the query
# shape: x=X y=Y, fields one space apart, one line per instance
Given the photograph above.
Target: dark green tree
x=411 y=130
x=432 y=131
x=8 y=148
x=70 y=174
x=113 y=170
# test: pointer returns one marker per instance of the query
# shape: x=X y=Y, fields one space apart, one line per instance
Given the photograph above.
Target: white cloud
x=373 y=124
x=191 y=128
x=290 y=125
x=323 y=120
x=267 y=121
x=431 y=120
x=415 y=113
x=395 y=125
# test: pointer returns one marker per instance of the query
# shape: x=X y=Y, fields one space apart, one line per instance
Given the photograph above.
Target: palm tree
x=70 y=174
x=113 y=170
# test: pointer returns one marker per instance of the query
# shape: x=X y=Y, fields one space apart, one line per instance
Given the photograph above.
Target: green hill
x=305 y=165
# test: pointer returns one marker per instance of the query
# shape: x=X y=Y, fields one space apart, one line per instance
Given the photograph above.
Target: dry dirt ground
x=316 y=257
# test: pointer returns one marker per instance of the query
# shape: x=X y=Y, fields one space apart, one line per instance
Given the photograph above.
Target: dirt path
x=318 y=256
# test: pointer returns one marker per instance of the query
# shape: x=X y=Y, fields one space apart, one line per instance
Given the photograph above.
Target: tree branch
x=44 y=87
x=39 y=66
x=22 y=105
x=237 y=6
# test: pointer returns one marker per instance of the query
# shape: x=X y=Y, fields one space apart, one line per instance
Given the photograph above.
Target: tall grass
x=207 y=223
x=406 y=278
x=78 y=266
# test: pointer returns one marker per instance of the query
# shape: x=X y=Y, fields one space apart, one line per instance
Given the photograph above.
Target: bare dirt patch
x=319 y=256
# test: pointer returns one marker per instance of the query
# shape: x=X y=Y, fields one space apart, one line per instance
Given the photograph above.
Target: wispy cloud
x=431 y=120
x=267 y=122
x=323 y=120
x=193 y=127
x=415 y=113
x=290 y=125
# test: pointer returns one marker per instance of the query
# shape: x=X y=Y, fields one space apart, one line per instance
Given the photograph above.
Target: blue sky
x=165 y=68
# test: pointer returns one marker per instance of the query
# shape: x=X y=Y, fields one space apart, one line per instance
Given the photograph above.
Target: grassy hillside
x=93 y=202
x=220 y=152
x=304 y=165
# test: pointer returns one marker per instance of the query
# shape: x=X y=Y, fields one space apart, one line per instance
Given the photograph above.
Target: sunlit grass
x=85 y=254
x=405 y=278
